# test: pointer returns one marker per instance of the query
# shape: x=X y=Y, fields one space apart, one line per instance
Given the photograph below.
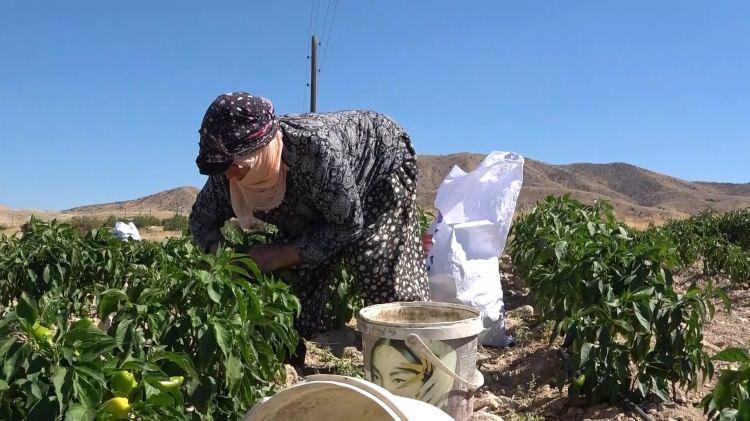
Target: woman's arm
x=211 y=209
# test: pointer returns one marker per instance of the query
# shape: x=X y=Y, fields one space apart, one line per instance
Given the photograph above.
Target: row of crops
x=92 y=327
x=629 y=334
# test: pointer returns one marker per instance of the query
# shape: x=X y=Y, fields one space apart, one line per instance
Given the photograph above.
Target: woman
x=396 y=368
x=340 y=187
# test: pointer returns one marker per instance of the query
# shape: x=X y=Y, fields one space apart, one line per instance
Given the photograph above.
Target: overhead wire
x=325 y=21
x=317 y=13
x=325 y=34
x=330 y=29
x=310 y=28
x=322 y=37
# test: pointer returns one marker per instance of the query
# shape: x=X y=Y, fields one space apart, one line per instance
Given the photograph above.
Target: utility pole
x=313 y=75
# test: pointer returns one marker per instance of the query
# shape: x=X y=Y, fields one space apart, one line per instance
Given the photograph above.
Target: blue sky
x=101 y=101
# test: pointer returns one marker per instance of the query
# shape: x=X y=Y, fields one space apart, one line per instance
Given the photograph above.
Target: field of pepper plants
x=95 y=328
x=628 y=334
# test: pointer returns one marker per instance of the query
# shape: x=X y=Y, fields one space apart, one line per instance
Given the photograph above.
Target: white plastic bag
x=126 y=231
x=476 y=211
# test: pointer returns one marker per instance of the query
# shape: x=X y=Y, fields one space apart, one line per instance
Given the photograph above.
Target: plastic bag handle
x=415 y=343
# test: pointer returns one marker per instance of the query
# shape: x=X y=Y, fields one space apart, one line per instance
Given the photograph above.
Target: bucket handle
x=415 y=343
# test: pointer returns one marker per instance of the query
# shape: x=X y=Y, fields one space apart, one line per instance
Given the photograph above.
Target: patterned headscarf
x=235 y=124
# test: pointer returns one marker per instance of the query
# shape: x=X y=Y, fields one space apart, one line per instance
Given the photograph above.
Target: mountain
x=179 y=199
x=638 y=195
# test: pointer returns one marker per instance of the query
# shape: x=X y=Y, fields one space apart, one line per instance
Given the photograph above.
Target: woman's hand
x=271 y=258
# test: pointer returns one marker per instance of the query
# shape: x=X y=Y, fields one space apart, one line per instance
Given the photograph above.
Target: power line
x=325 y=44
x=317 y=13
x=323 y=34
x=325 y=21
x=312 y=8
x=315 y=66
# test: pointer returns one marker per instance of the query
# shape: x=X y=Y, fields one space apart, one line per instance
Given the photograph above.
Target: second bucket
x=425 y=351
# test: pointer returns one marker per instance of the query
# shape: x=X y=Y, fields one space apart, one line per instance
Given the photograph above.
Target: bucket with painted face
x=425 y=351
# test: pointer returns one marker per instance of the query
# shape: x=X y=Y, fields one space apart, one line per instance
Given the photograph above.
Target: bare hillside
x=639 y=195
x=636 y=193
x=180 y=199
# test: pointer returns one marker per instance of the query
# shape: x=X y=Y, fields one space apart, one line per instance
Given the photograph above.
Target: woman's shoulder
x=333 y=126
x=313 y=120
x=316 y=131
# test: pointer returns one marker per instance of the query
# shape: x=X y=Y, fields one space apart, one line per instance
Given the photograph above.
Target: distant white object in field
x=469 y=235
x=127 y=231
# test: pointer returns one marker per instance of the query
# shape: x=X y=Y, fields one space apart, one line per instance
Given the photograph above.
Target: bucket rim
x=384 y=400
x=467 y=327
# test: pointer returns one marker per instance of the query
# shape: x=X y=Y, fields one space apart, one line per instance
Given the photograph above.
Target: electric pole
x=313 y=75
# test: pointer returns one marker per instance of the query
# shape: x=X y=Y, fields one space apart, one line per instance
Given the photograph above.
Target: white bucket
x=425 y=351
x=339 y=398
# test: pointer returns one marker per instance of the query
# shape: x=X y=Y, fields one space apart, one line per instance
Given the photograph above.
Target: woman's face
x=394 y=372
x=243 y=164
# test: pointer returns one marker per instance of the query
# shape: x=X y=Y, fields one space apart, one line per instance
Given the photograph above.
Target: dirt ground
x=520 y=382
x=157 y=234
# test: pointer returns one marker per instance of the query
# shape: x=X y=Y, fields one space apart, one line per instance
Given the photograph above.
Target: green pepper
x=118 y=407
x=173 y=383
x=123 y=382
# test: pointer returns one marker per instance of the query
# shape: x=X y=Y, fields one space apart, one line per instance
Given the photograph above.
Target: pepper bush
x=627 y=332
x=719 y=243
x=75 y=309
x=730 y=399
